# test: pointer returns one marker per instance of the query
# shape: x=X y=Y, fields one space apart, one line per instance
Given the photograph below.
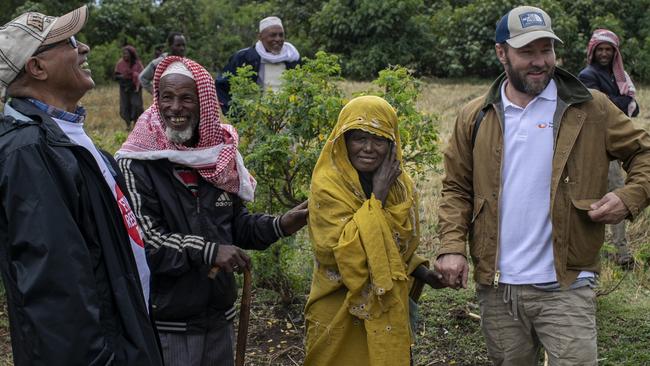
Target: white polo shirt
x=525 y=228
x=525 y=244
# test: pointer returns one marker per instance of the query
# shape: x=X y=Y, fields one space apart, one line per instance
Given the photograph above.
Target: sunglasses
x=72 y=41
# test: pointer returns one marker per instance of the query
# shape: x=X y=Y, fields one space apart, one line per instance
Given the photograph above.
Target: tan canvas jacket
x=589 y=132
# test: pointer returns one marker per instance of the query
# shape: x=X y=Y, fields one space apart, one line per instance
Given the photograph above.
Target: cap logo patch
x=531 y=19
x=38 y=21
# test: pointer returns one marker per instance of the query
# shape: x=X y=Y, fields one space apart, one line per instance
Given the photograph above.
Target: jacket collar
x=27 y=109
x=569 y=89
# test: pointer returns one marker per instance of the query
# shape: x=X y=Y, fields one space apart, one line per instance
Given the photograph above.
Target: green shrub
x=283 y=132
x=371 y=35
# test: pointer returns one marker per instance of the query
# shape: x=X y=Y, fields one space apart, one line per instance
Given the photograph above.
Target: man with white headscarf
x=188 y=183
x=269 y=57
x=605 y=73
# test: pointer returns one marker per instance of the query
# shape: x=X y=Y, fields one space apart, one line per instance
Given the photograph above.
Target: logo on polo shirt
x=223 y=200
x=545 y=125
x=531 y=19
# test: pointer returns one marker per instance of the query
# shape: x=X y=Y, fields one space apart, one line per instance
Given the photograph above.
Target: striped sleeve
x=167 y=252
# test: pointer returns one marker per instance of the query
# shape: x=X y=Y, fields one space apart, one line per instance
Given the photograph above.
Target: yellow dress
x=358 y=309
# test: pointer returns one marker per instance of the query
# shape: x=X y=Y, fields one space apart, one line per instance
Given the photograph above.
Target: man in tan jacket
x=535 y=227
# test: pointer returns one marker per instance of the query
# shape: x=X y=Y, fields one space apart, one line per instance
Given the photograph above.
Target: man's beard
x=180 y=137
x=519 y=82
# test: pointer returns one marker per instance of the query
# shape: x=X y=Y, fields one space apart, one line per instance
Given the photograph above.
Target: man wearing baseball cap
x=535 y=227
x=269 y=57
x=73 y=261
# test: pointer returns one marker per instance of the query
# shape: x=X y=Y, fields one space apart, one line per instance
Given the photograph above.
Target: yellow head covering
x=390 y=233
x=364 y=251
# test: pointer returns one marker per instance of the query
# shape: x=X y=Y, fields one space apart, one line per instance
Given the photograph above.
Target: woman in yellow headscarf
x=363 y=225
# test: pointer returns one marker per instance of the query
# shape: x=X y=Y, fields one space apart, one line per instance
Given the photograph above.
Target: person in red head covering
x=605 y=72
x=127 y=71
x=189 y=184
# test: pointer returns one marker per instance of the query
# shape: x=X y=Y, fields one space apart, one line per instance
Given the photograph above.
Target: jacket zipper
x=497 y=273
x=198 y=204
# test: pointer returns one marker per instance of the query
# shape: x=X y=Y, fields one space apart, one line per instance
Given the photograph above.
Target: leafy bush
x=447 y=38
x=370 y=35
x=281 y=135
x=283 y=132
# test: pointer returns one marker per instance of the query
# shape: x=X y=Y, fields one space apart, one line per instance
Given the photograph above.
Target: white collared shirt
x=525 y=241
x=525 y=230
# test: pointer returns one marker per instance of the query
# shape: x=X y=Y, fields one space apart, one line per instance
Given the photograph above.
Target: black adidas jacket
x=182 y=234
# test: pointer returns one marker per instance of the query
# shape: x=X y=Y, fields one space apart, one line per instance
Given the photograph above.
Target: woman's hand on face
x=386 y=175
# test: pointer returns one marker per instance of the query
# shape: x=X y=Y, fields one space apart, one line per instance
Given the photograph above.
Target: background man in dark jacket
x=177 y=45
x=73 y=262
x=188 y=184
x=605 y=73
x=269 y=57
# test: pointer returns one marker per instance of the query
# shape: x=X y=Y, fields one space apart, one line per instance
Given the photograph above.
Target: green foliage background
x=282 y=134
x=444 y=38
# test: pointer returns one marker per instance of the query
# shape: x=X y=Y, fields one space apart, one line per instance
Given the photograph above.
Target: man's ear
x=34 y=67
x=501 y=53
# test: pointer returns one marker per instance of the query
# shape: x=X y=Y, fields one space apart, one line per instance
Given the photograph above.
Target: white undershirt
x=76 y=133
x=271 y=75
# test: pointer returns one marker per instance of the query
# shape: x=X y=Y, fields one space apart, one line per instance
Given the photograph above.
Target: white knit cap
x=270 y=21
x=177 y=68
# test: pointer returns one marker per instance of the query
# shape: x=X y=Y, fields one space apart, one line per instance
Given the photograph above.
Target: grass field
x=447 y=335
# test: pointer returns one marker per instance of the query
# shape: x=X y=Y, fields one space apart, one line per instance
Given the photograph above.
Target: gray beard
x=179 y=137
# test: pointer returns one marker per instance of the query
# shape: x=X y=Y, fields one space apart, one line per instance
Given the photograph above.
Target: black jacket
x=600 y=78
x=72 y=286
x=182 y=233
x=246 y=56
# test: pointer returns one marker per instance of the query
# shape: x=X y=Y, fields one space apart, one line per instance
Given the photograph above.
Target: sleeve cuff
x=210 y=252
x=277 y=228
x=629 y=202
x=452 y=249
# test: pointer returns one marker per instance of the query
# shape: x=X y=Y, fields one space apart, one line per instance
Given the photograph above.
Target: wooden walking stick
x=244 y=317
x=244 y=314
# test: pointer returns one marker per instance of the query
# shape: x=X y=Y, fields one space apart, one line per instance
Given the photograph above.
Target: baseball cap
x=21 y=37
x=523 y=25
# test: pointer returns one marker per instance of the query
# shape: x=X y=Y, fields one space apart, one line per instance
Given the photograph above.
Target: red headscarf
x=623 y=80
x=130 y=70
x=215 y=156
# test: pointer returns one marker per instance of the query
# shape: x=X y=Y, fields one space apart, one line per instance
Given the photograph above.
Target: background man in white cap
x=73 y=261
x=605 y=73
x=269 y=57
x=535 y=227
